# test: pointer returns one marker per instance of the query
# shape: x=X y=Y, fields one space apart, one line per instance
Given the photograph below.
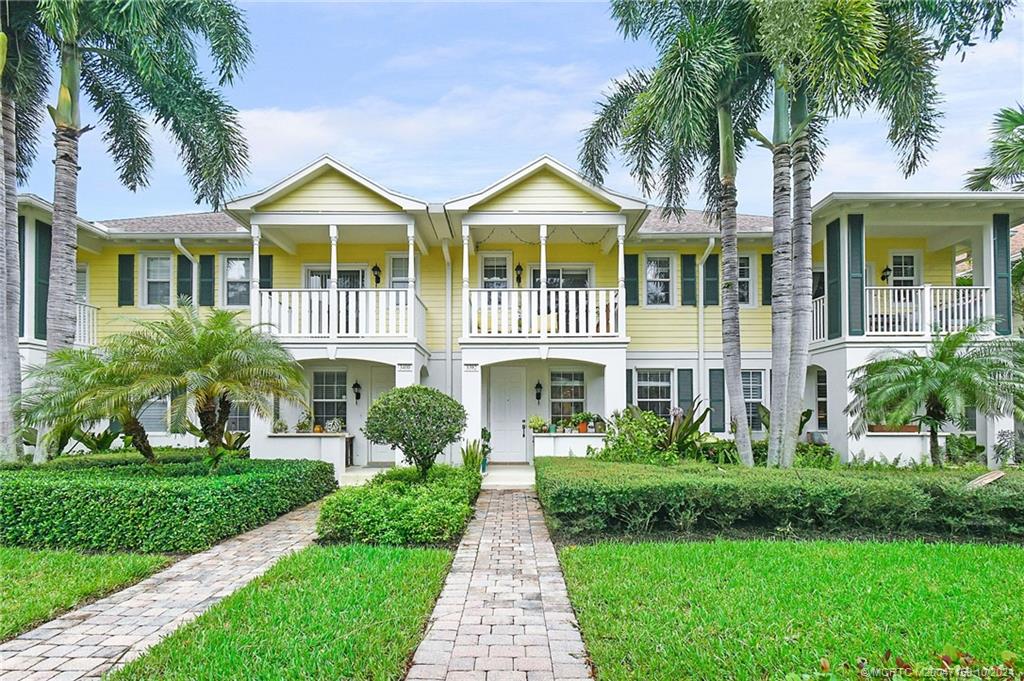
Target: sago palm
x=958 y=372
x=211 y=362
x=134 y=58
x=1005 y=155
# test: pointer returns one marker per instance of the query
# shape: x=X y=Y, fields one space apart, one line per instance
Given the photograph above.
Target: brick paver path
x=87 y=642
x=504 y=613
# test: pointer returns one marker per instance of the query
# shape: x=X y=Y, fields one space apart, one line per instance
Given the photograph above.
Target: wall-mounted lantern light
x=519 y=274
x=357 y=390
x=886 y=273
x=538 y=390
x=376 y=274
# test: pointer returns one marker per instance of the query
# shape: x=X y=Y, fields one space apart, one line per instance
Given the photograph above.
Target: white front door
x=508 y=414
x=382 y=379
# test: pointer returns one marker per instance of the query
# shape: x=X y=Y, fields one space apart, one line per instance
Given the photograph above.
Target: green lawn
x=328 y=612
x=761 y=609
x=36 y=586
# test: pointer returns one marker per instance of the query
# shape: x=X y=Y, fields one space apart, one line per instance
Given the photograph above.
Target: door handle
x=524 y=427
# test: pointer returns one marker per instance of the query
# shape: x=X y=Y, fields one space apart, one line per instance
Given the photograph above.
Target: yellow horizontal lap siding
x=544 y=191
x=937 y=266
x=329 y=191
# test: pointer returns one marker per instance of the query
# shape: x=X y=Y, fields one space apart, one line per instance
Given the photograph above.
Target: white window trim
x=765 y=391
x=564 y=370
x=754 y=299
x=389 y=256
x=224 y=278
x=309 y=267
x=84 y=267
x=507 y=255
x=143 y=293
x=588 y=266
x=673 y=388
x=672 y=278
x=348 y=382
x=918 y=256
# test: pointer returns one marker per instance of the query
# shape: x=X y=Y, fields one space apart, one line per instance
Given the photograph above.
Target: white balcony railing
x=956 y=307
x=341 y=313
x=819 y=321
x=529 y=313
x=85 y=324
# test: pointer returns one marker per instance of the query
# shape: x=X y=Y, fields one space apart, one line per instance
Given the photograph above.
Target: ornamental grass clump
x=418 y=421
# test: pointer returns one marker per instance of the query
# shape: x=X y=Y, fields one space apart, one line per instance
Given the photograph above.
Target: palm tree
x=81 y=386
x=211 y=362
x=959 y=371
x=1005 y=155
x=133 y=57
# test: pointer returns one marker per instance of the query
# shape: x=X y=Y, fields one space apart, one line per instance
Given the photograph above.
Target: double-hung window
x=495 y=271
x=156 y=279
x=753 y=396
x=82 y=284
x=745 y=276
x=568 y=394
x=658 y=275
x=329 y=396
x=238 y=419
x=237 y=273
x=654 y=391
x=563 y=277
x=821 y=398
x=904 y=270
x=398 y=273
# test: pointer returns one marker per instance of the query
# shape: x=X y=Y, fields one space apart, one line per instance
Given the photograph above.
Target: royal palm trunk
x=8 y=355
x=12 y=287
x=731 y=349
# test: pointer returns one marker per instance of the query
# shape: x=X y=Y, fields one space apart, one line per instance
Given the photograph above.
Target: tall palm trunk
x=60 y=310
x=9 y=324
x=7 y=428
x=803 y=278
x=782 y=271
x=731 y=349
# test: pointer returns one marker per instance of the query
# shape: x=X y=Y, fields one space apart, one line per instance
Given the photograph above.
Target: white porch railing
x=921 y=310
x=85 y=324
x=956 y=307
x=819 y=320
x=341 y=313
x=530 y=312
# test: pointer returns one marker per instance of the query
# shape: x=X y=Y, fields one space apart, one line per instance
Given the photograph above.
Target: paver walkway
x=504 y=613
x=87 y=642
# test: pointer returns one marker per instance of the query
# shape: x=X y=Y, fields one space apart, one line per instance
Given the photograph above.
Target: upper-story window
x=744 y=280
x=237 y=273
x=156 y=282
x=398 y=272
x=562 y=277
x=904 y=270
x=82 y=284
x=495 y=271
x=658 y=274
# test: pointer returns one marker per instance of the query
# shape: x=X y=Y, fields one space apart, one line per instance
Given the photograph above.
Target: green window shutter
x=766 y=278
x=266 y=271
x=629 y=386
x=184 y=277
x=1001 y=253
x=125 y=280
x=716 y=399
x=44 y=235
x=688 y=278
x=206 y=296
x=21 y=274
x=632 y=271
x=684 y=388
x=711 y=280
x=855 y=229
x=833 y=280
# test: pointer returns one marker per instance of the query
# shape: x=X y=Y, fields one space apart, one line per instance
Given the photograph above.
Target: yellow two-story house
x=540 y=294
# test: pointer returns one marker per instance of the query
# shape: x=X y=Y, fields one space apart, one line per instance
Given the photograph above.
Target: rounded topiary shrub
x=419 y=421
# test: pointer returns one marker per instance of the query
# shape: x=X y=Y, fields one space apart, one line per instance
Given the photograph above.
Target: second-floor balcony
x=911 y=311
x=544 y=313
x=85 y=324
x=343 y=314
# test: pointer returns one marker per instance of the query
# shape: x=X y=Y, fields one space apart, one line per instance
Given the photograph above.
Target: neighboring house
x=371 y=289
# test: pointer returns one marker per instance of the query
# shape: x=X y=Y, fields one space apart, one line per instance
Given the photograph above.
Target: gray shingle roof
x=181 y=223
x=695 y=222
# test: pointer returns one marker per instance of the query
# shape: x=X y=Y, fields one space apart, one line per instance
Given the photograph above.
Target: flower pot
x=881 y=428
x=582 y=427
x=552 y=428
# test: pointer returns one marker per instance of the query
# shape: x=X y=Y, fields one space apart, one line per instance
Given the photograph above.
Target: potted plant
x=485 y=448
x=280 y=426
x=599 y=424
x=552 y=427
x=581 y=421
x=537 y=424
x=305 y=423
x=567 y=426
x=335 y=425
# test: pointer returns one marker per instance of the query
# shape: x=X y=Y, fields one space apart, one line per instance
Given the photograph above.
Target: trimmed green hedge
x=175 y=507
x=397 y=508
x=109 y=459
x=582 y=496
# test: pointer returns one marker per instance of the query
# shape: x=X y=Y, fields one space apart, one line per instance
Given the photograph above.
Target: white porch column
x=614 y=382
x=621 y=308
x=410 y=235
x=472 y=399
x=544 y=307
x=332 y=306
x=465 y=280
x=983 y=255
x=254 y=277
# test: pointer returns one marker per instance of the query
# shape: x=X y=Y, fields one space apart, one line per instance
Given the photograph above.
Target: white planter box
x=329 y=447
x=565 y=444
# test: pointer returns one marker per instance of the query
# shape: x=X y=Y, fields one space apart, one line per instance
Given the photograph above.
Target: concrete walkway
x=89 y=641
x=504 y=613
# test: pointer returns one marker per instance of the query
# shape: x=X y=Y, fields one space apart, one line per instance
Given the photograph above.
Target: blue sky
x=440 y=99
